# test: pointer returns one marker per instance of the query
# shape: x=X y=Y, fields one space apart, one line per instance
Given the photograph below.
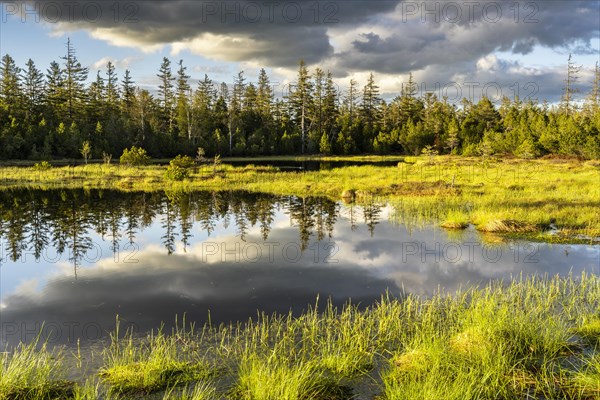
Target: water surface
x=73 y=260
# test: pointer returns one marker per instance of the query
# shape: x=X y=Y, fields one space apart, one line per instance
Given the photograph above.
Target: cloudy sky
x=454 y=48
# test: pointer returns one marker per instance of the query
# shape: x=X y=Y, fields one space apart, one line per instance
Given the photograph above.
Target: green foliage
x=42 y=166
x=86 y=150
x=429 y=151
x=527 y=149
x=134 y=157
x=179 y=168
x=471 y=150
x=183 y=162
x=216 y=163
x=176 y=173
x=33 y=372
x=157 y=362
x=527 y=338
x=324 y=145
x=200 y=155
x=44 y=116
x=106 y=158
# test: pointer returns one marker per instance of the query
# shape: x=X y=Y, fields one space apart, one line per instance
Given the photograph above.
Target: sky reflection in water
x=149 y=258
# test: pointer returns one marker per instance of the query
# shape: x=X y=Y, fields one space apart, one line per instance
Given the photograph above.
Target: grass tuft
x=155 y=363
x=507 y=226
x=33 y=372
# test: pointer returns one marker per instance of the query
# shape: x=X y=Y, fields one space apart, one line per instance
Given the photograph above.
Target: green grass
x=590 y=329
x=586 y=382
x=156 y=362
x=531 y=338
x=199 y=391
x=33 y=372
x=501 y=196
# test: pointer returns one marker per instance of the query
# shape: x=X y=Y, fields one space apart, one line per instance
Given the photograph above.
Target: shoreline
x=528 y=198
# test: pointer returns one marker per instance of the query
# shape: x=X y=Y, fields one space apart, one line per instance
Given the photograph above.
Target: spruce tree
x=166 y=95
x=33 y=89
x=300 y=100
x=74 y=78
x=570 y=89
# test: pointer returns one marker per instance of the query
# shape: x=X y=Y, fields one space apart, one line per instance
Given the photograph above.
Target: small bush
x=200 y=153
x=184 y=162
x=471 y=150
x=42 y=166
x=176 y=173
x=179 y=168
x=106 y=158
x=134 y=156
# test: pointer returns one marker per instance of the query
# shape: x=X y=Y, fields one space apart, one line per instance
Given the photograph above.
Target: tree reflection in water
x=32 y=220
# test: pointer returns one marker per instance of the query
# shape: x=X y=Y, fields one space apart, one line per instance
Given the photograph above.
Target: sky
x=453 y=48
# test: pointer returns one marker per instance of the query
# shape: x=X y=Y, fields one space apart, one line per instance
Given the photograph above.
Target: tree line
x=56 y=114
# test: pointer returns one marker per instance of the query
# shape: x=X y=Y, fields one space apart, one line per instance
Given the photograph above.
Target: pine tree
x=453 y=140
x=351 y=99
x=112 y=89
x=300 y=100
x=407 y=106
x=184 y=111
x=55 y=90
x=128 y=89
x=330 y=108
x=264 y=97
x=204 y=101
x=165 y=93
x=74 y=78
x=141 y=111
x=318 y=106
x=96 y=102
x=594 y=96
x=239 y=88
x=570 y=90
x=370 y=101
x=33 y=88
x=235 y=107
x=349 y=121
x=10 y=86
x=250 y=98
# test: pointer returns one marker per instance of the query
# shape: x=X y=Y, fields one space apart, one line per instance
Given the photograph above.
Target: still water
x=71 y=261
x=292 y=165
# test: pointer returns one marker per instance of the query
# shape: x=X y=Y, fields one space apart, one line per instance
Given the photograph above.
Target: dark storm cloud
x=414 y=41
x=436 y=40
x=277 y=32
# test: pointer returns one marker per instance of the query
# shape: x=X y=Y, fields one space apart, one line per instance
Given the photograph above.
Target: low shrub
x=134 y=157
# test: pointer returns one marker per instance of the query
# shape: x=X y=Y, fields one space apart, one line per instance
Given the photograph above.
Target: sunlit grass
x=586 y=382
x=532 y=338
x=33 y=372
x=156 y=362
x=199 y=391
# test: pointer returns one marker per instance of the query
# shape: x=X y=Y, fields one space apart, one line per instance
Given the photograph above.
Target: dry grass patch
x=508 y=226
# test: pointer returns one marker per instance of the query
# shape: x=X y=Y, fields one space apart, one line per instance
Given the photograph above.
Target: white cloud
x=123 y=63
x=488 y=63
x=124 y=39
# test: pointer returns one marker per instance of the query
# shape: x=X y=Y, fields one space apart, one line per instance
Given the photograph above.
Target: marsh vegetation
x=495 y=195
x=531 y=338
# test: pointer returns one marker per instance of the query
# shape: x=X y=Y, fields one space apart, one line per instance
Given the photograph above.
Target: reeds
x=530 y=338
